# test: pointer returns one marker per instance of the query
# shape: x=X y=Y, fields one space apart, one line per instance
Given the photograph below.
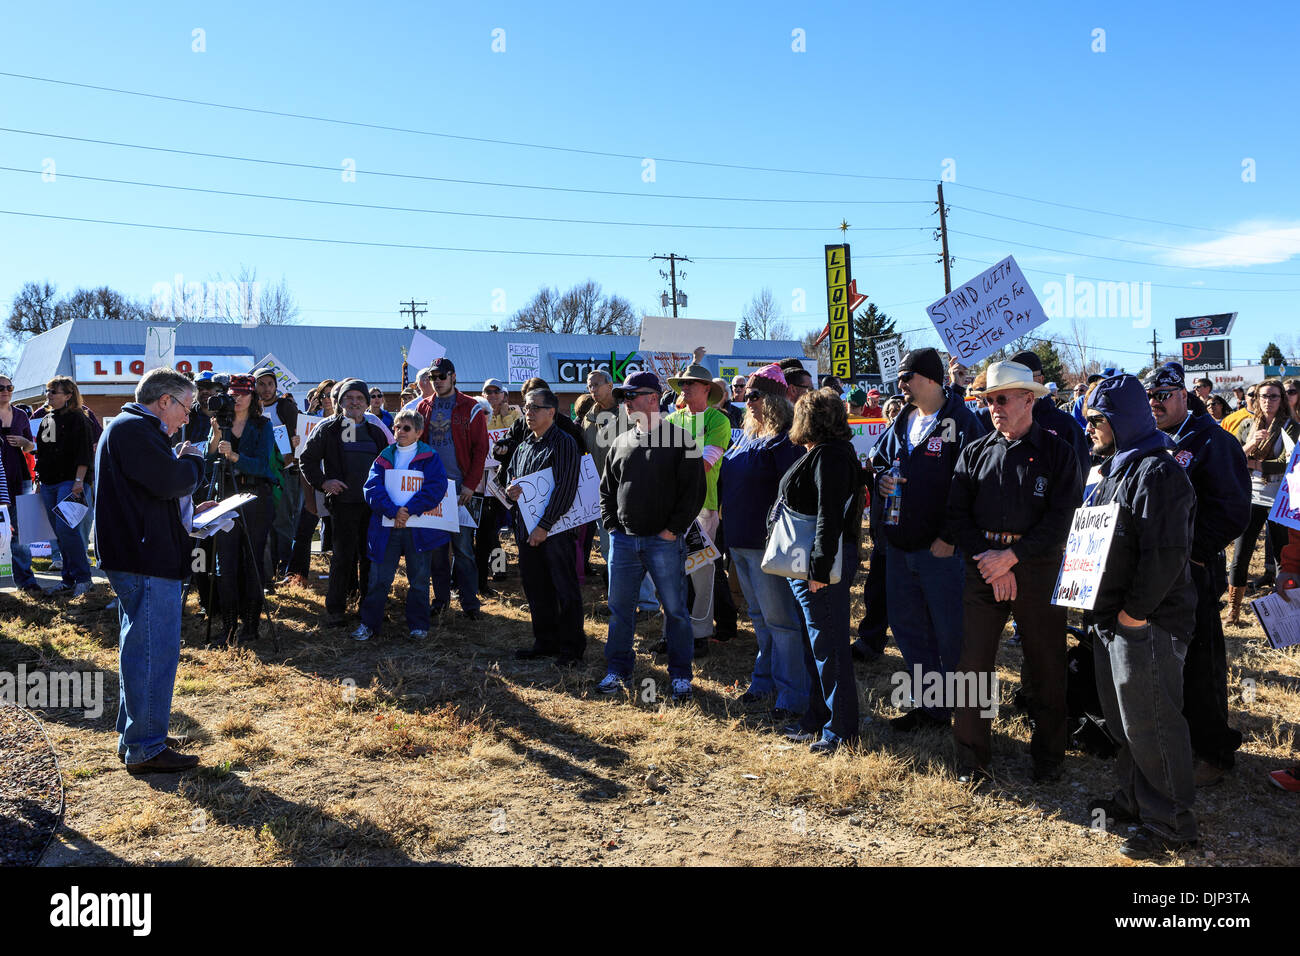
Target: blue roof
x=315 y=353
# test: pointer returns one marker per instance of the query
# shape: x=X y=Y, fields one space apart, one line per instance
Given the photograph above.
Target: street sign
x=1204 y=326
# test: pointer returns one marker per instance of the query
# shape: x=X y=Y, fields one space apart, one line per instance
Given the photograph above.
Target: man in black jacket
x=337 y=461
x=1142 y=618
x=1216 y=465
x=652 y=488
x=142 y=539
x=281 y=411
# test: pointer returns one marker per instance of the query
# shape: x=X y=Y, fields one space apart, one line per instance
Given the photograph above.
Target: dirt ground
x=333 y=752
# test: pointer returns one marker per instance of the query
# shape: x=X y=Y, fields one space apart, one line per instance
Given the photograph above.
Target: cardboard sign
x=537 y=489
x=1286 y=503
x=887 y=357
x=866 y=432
x=423 y=352
x=306 y=425
x=33 y=520
x=666 y=334
x=523 y=361
x=668 y=364
x=1092 y=529
x=986 y=313
x=284 y=379
x=700 y=551
x=402 y=484
x=281 y=433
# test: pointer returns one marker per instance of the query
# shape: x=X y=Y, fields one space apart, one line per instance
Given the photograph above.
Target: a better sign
x=986 y=313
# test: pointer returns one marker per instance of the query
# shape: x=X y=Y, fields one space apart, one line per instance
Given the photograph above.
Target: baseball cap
x=857 y=396
x=636 y=382
x=1166 y=376
x=206 y=378
x=264 y=370
x=495 y=383
x=241 y=384
x=443 y=364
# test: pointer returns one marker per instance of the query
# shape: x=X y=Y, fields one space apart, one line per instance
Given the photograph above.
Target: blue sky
x=1156 y=127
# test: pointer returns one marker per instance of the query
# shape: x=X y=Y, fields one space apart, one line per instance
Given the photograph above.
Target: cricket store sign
x=574 y=369
x=127 y=369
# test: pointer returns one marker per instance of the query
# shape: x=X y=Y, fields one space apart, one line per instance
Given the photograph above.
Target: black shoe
x=916 y=719
x=749 y=697
x=165 y=761
x=473 y=615
x=1146 y=843
x=333 y=618
x=781 y=715
x=861 y=652
x=533 y=653
x=1113 y=811
x=500 y=576
x=1046 y=771
x=437 y=610
x=722 y=637
x=660 y=648
x=823 y=748
x=172 y=743
x=973 y=776
x=701 y=647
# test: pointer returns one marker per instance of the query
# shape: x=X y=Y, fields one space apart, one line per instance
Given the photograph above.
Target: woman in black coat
x=826 y=483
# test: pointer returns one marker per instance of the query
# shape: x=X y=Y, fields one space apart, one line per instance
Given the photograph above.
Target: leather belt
x=1001 y=537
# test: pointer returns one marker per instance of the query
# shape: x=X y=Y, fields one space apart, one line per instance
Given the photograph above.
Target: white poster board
x=667 y=364
x=887 y=357
x=1092 y=529
x=402 y=484
x=423 y=352
x=866 y=432
x=285 y=380
x=6 y=545
x=537 y=489
x=159 y=347
x=306 y=425
x=281 y=433
x=666 y=334
x=986 y=313
x=523 y=361
x=33 y=520
x=1286 y=503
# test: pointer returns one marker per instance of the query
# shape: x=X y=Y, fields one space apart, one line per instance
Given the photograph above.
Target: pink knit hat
x=769 y=379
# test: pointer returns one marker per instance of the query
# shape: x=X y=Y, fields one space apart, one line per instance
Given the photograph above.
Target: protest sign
x=402 y=484
x=423 y=352
x=666 y=334
x=497 y=435
x=493 y=488
x=159 y=347
x=306 y=425
x=667 y=364
x=281 y=433
x=523 y=361
x=986 y=313
x=284 y=379
x=6 y=545
x=537 y=489
x=1092 y=529
x=1286 y=503
x=33 y=520
x=699 y=549
x=888 y=357
x=1280 y=618
x=866 y=431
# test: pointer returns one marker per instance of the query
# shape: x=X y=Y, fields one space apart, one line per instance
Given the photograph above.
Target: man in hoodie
x=142 y=539
x=281 y=410
x=924 y=573
x=1143 y=618
x=456 y=426
x=1216 y=465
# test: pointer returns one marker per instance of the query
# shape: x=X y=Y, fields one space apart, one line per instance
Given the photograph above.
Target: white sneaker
x=681 y=688
x=362 y=633
x=83 y=588
x=612 y=684
x=419 y=635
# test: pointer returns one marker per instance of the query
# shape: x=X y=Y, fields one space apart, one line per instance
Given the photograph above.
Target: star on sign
x=844 y=225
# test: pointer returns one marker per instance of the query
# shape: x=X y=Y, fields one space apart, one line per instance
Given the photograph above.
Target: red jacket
x=468 y=434
x=1289 y=560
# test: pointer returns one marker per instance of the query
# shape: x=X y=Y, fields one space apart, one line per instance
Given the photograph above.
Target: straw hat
x=697 y=373
x=1003 y=376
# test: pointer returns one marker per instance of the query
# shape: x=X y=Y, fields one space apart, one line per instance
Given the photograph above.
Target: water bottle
x=894 y=501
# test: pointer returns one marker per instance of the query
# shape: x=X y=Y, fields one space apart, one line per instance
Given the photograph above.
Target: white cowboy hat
x=1003 y=376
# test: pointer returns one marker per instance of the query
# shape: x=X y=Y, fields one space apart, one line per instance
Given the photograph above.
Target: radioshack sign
x=127 y=369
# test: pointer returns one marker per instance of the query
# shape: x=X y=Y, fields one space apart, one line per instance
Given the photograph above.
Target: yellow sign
x=837 y=304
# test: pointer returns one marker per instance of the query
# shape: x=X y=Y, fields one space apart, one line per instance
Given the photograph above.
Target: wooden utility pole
x=1155 y=357
x=943 y=235
x=413 y=312
x=672 y=259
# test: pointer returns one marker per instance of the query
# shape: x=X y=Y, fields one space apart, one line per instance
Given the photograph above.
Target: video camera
x=221 y=405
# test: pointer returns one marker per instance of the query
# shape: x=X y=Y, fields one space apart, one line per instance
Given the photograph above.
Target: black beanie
x=1029 y=360
x=354 y=385
x=923 y=362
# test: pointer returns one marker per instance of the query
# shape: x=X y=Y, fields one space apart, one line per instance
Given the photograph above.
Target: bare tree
x=1079 y=355
x=33 y=310
x=583 y=309
x=762 y=318
x=247 y=300
x=102 y=304
x=822 y=353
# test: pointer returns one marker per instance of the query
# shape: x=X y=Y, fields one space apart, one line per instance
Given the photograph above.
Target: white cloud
x=1260 y=243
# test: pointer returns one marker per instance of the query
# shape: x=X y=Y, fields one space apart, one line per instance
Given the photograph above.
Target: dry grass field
x=332 y=752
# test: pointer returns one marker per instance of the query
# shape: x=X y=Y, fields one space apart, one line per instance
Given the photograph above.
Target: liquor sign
x=1204 y=326
x=1212 y=355
x=838 y=277
x=126 y=369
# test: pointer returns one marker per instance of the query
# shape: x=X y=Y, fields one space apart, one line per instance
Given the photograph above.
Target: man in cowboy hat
x=711 y=430
x=1013 y=494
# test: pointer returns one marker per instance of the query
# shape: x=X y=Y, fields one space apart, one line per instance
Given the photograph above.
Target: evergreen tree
x=869 y=324
x=1272 y=355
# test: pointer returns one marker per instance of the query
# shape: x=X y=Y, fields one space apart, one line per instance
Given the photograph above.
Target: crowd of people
x=710 y=492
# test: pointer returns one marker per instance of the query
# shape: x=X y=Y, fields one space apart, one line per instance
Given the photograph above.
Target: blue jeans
x=833 y=703
x=400 y=541
x=632 y=556
x=646 y=598
x=76 y=566
x=22 y=553
x=924 y=601
x=465 y=569
x=778 y=625
x=149 y=648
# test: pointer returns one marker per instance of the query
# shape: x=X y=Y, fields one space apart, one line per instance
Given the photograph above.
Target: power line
x=461 y=182
x=1154 y=285
x=402 y=245
x=1134 y=262
x=456 y=136
x=449 y=212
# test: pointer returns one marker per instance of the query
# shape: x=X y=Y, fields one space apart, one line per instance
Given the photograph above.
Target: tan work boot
x=1235 y=597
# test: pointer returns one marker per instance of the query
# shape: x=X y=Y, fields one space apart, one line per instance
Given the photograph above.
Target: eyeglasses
x=376 y=394
x=1000 y=399
x=441 y=376
x=403 y=428
x=643 y=391
x=1096 y=420
x=57 y=391
x=1289 y=391
x=530 y=407
x=6 y=388
x=1160 y=396
x=753 y=396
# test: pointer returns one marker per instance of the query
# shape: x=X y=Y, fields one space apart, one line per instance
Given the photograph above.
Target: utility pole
x=672 y=259
x=943 y=235
x=1155 y=357
x=413 y=312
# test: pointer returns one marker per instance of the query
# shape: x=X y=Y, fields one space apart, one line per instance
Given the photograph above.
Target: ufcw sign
x=838 y=292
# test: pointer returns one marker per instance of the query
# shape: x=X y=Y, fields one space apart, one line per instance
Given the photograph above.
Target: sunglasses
x=491 y=391
x=1160 y=396
x=1096 y=420
x=643 y=391
x=403 y=428
x=1289 y=391
x=999 y=399
x=906 y=376
x=530 y=407
x=6 y=388
x=442 y=376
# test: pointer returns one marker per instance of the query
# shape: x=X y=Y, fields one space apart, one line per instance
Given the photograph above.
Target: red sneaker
x=1288 y=780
